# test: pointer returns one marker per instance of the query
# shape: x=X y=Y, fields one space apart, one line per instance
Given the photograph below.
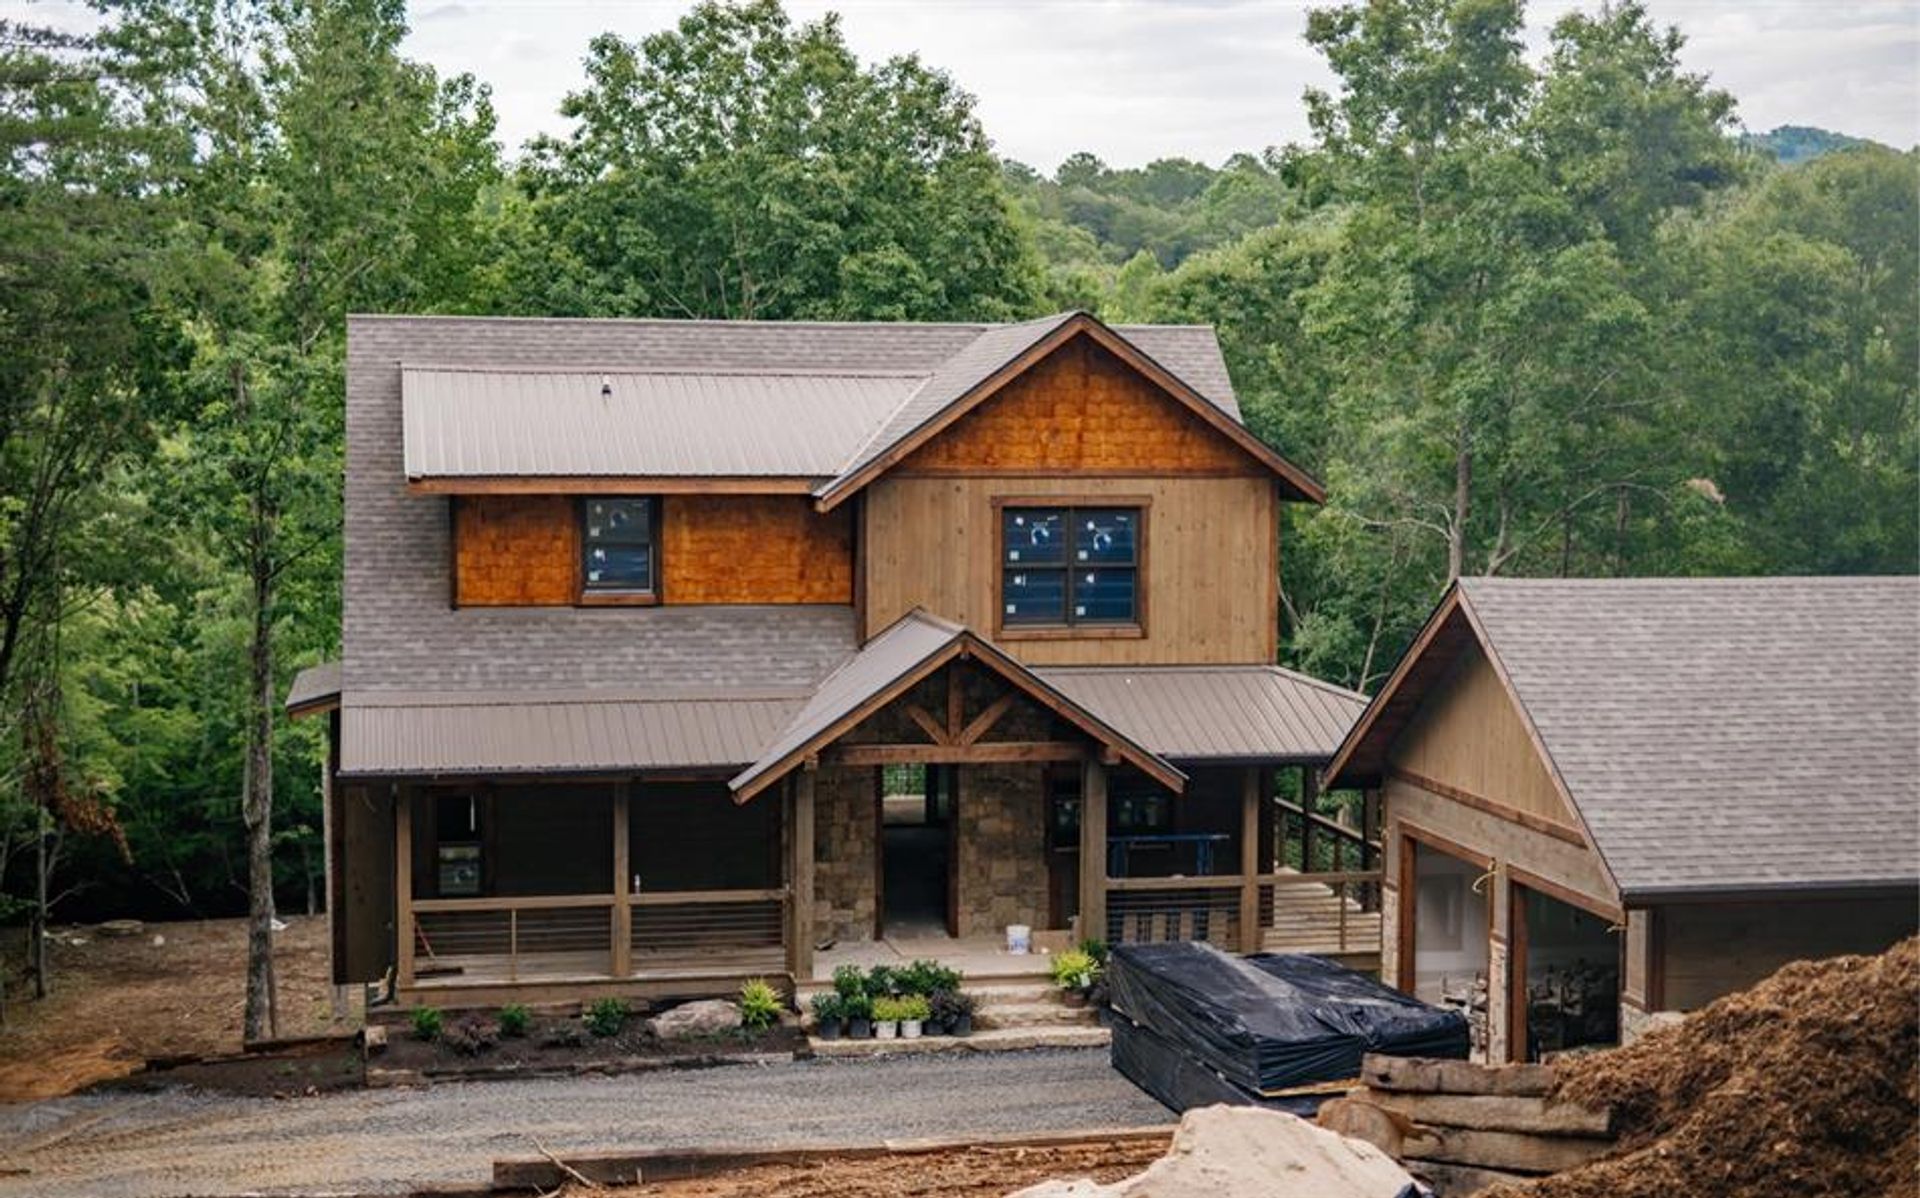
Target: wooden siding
x=1469 y=737
x=754 y=549
x=516 y=550
x=1206 y=589
x=524 y=550
x=1574 y=867
x=1714 y=949
x=1081 y=409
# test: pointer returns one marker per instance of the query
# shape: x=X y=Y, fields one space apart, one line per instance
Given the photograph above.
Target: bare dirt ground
x=121 y=1001
x=964 y=1173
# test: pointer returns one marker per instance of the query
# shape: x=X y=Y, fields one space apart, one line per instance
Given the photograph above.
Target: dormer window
x=619 y=556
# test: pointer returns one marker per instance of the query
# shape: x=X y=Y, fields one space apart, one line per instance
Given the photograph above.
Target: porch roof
x=594 y=732
x=912 y=648
x=1218 y=714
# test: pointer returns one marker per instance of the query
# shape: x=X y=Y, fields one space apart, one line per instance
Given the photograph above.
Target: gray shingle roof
x=1218 y=713
x=1722 y=735
x=314 y=688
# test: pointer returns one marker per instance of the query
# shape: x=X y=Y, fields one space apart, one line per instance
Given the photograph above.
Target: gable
x=1081 y=409
x=1468 y=736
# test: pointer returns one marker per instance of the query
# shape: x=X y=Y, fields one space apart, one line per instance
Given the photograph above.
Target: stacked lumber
x=1463 y=1127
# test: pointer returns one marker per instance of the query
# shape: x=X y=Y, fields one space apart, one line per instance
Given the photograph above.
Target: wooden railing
x=1309 y=912
x=1321 y=912
x=1157 y=910
x=568 y=937
x=1342 y=847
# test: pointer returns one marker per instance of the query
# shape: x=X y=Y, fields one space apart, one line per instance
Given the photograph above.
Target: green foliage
x=828 y=1007
x=926 y=977
x=894 y=1009
x=849 y=980
x=427 y=1023
x=1795 y=144
x=1097 y=949
x=760 y=1005
x=514 y=1019
x=737 y=165
x=856 y=1006
x=1074 y=970
x=881 y=980
x=606 y=1016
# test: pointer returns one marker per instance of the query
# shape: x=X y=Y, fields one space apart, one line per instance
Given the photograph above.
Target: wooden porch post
x=1093 y=849
x=1250 y=859
x=800 y=876
x=622 y=883
x=403 y=885
x=1309 y=807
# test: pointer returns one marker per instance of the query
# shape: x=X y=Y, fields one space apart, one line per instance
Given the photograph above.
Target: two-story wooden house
x=677 y=652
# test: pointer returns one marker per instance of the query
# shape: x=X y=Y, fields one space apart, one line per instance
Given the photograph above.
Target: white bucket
x=1019 y=939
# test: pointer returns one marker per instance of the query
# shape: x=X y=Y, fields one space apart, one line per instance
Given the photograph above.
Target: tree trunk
x=37 y=924
x=1462 y=500
x=262 y=1019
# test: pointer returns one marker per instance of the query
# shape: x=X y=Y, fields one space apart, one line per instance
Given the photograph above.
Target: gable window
x=619 y=554
x=1070 y=566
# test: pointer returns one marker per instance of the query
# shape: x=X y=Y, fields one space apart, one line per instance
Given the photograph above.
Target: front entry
x=916 y=862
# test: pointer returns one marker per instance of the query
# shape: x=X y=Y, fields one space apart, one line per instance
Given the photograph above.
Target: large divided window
x=619 y=551
x=1070 y=566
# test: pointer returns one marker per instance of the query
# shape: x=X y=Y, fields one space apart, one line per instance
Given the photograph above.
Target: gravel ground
x=178 y=1143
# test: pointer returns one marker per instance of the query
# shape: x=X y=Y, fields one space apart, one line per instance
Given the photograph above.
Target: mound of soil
x=1807 y=1085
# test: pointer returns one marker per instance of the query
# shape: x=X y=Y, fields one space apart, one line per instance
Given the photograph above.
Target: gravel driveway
x=177 y=1143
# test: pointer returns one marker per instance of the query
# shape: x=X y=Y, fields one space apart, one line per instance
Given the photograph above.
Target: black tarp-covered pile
x=1261 y=1023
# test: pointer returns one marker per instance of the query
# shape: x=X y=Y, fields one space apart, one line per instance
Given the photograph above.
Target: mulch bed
x=537 y=1053
x=966 y=1173
x=1806 y=1086
x=308 y=1069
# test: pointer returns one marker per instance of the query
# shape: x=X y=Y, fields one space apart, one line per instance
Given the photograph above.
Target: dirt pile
x=1807 y=1085
x=1250 y=1152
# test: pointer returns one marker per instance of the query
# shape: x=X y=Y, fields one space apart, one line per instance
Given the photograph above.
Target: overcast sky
x=1134 y=80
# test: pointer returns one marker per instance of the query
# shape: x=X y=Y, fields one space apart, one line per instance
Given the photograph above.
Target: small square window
x=617 y=546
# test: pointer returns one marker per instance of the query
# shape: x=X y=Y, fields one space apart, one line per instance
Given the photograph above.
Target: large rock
x=1251 y=1152
x=691 y=1021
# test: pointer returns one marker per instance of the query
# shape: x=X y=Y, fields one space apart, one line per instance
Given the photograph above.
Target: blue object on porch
x=1120 y=847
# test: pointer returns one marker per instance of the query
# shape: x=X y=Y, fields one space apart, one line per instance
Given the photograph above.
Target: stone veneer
x=843 y=847
x=1003 y=848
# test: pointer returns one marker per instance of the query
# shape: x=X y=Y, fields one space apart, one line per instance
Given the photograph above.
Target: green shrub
x=857 y=1006
x=914 y=1006
x=1097 y=949
x=927 y=977
x=1075 y=970
x=849 y=980
x=514 y=1020
x=760 y=1005
x=889 y=1010
x=883 y=981
x=427 y=1022
x=606 y=1016
x=828 y=1007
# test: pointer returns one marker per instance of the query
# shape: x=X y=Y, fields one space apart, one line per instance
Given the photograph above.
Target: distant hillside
x=1794 y=144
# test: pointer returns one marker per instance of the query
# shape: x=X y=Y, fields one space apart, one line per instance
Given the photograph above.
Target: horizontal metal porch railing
x=535 y=938
x=1158 y=910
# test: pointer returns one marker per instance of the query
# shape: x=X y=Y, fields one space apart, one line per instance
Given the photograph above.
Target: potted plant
x=829 y=1012
x=913 y=1015
x=849 y=980
x=1075 y=972
x=953 y=1011
x=886 y=1017
x=882 y=981
x=857 y=1010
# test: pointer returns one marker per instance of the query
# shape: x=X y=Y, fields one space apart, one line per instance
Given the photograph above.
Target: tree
x=736 y=166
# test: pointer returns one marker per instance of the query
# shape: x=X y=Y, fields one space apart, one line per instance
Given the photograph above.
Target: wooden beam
x=403 y=884
x=1513 y=815
x=956 y=702
x=622 y=883
x=984 y=722
x=800 y=879
x=1310 y=807
x=1250 y=859
x=933 y=728
x=1093 y=850
x=993 y=751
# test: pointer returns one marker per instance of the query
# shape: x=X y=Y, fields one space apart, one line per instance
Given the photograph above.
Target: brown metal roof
x=1217 y=713
x=468 y=423
x=445 y=734
x=315 y=689
x=1715 y=735
x=899 y=656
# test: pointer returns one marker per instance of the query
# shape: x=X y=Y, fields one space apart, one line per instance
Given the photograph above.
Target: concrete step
x=1053 y=1013
x=996 y=1040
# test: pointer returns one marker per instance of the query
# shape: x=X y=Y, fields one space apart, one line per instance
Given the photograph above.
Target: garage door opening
x=1566 y=974
x=1450 y=934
